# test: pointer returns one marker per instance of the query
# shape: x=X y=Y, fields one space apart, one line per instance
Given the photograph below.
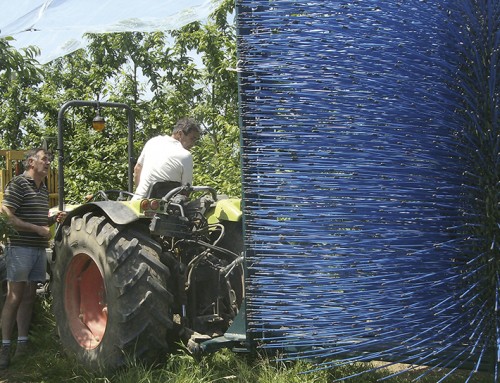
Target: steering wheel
x=105 y=195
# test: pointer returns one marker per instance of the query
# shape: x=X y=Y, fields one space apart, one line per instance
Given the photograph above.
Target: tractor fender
x=117 y=212
x=228 y=209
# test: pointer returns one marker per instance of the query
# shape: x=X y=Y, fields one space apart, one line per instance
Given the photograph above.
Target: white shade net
x=57 y=26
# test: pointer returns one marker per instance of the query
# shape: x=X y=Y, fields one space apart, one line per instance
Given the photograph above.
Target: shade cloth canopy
x=57 y=26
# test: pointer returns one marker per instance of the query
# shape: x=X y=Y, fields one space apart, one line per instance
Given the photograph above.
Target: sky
x=57 y=26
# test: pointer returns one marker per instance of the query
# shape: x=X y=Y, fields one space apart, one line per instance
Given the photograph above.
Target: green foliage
x=156 y=74
x=6 y=228
x=218 y=154
x=20 y=77
x=49 y=364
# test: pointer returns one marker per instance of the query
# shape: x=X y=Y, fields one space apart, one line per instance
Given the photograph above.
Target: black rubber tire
x=113 y=275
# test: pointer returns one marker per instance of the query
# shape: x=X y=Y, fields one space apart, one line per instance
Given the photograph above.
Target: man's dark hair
x=187 y=125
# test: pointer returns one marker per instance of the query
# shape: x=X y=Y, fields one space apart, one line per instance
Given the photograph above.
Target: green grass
x=49 y=364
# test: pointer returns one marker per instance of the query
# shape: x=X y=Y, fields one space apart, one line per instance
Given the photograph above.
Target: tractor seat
x=161 y=188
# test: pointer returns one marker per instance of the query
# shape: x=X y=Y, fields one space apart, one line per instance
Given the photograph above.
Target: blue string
x=370 y=151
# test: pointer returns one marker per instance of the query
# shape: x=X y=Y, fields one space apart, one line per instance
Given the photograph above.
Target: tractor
x=134 y=279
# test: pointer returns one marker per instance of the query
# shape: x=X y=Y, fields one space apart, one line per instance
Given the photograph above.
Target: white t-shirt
x=163 y=158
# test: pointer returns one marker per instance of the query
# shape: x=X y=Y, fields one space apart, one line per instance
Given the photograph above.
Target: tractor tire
x=110 y=299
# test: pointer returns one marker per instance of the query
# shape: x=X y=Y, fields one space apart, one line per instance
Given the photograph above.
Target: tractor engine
x=203 y=273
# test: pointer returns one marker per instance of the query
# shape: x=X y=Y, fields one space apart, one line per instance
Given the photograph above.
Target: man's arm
x=137 y=173
x=21 y=225
x=187 y=170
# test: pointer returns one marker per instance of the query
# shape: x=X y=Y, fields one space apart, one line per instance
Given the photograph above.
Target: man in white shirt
x=167 y=158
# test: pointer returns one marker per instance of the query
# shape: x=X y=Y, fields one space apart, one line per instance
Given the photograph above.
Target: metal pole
x=60 y=141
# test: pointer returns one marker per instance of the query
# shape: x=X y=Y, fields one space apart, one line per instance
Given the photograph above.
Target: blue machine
x=370 y=146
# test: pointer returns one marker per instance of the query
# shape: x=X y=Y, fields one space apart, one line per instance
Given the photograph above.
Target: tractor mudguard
x=225 y=210
x=119 y=213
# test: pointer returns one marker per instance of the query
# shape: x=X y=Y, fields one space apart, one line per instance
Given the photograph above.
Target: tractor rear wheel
x=110 y=296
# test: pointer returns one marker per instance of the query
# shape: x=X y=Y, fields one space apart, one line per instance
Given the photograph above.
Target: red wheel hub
x=85 y=301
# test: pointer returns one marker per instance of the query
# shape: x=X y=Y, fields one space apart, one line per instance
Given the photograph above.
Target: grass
x=48 y=364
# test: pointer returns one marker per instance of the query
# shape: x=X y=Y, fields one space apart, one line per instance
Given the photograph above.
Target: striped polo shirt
x=31 y=204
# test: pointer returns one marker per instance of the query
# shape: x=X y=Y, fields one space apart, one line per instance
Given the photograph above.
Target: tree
x=217 y=104
x=20 y=77
x=159 y=80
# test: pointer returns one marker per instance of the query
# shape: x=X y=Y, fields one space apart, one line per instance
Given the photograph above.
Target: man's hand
x=20 y=225
x=43 y=231
x=59 y=216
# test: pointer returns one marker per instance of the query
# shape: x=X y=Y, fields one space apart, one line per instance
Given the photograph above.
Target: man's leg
x=38 y=258
x=15 y=293
x=25 y=310
x=24 y=314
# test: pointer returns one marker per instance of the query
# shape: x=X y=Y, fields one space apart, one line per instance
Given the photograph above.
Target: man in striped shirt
x=26 y=205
